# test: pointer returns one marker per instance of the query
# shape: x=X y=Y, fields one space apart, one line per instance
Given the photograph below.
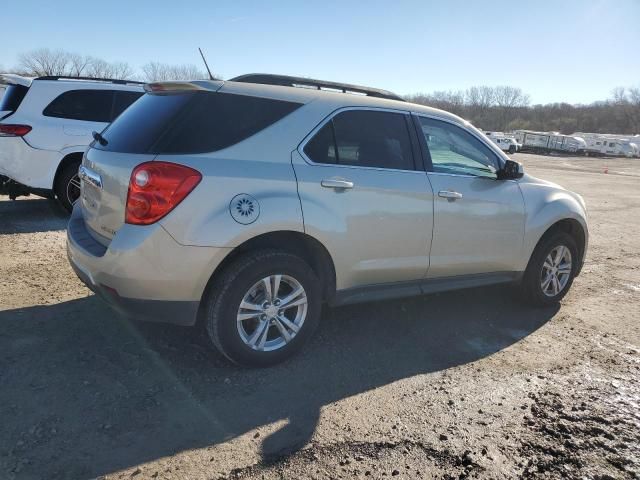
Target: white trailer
x=549 y=142
x=620 y=147
x=612 y=144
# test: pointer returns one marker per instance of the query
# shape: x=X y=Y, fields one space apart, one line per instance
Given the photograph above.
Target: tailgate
x=104 y=184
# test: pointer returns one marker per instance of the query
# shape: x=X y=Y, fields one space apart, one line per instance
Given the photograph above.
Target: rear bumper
x=165 y=311
x=143 y=273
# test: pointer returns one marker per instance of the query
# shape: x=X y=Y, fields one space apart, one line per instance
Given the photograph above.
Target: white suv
x=46 y=124
x=506 y=144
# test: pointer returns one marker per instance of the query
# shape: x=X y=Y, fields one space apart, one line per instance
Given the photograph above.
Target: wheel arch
x=574 y=228
x=66 y=160
x=305 y=246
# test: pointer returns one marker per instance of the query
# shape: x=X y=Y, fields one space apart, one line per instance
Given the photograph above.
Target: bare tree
x=78 y=64
x=156 y=72
x=510 y=97
x=507 y=99
x=44 y=61
x=479 y=101
x=97 y=68
x=627 y=101
x=451 y=100
x=507 y=108
x=480 y=97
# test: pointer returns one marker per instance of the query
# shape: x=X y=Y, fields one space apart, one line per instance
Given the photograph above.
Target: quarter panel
x=204 y=217
x=27 y=165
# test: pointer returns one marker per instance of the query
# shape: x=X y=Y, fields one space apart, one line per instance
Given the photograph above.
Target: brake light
x=156 y=188
x=14 y=130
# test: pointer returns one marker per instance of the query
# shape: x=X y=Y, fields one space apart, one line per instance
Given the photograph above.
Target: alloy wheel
x=556 y=271
x=73 y=189
x=272 y=313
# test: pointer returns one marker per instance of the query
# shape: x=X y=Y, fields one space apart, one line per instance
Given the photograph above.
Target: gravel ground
x=464 y=384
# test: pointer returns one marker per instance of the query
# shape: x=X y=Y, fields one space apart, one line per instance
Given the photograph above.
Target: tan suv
x=247 y=204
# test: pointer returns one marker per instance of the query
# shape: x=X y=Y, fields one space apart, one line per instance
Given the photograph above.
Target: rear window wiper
x=99 y=138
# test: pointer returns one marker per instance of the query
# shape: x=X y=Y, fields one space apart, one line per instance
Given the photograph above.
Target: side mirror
x=512 y=170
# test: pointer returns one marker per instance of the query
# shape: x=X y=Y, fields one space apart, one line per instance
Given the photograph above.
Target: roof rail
x=289 y=81
x=111 y=80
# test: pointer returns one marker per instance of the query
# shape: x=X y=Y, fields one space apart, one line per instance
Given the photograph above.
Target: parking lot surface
x=463 y=384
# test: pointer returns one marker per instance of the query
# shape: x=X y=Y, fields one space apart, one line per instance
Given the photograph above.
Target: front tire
x=263 y=308
x=551 y=270
x=67 y=187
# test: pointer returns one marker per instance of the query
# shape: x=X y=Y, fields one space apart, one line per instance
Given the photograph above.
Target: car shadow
x=30 y=215
x=85 y=392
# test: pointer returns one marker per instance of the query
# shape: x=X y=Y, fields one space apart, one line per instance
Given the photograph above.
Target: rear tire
x=548 y=278
x=67 y=187
x=241 y=283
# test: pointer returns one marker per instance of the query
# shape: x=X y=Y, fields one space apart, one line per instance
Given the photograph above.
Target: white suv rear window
x=90 y=105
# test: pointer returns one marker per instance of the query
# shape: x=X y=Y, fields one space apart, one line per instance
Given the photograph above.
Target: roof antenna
x=205 y=64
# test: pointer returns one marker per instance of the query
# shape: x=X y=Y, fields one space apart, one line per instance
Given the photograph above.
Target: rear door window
x=365 y=138
x=194 y=122
x=87 y=105
x=322 y=148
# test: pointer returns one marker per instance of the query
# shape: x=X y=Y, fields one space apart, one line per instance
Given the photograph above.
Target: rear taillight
x=156 y=188
x=14 y=130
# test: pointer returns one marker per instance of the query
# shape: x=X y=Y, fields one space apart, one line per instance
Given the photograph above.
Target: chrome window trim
x=329 y=117
x=443 y=174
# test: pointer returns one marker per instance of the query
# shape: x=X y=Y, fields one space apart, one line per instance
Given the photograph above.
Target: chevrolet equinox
x=245 y=205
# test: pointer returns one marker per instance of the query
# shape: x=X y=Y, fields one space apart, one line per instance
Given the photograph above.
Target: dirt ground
x=464 y=384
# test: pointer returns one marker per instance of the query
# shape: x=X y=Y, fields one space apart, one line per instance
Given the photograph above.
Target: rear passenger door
x=366 y=197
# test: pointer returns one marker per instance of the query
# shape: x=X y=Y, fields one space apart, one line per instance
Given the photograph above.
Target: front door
x=478 y=219
x=365 y=196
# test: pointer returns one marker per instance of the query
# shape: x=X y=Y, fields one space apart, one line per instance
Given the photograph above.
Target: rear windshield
x=193 y=122
x=12 y=97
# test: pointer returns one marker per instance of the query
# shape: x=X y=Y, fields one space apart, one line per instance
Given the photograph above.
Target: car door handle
x=335 y=183
x=449 y=194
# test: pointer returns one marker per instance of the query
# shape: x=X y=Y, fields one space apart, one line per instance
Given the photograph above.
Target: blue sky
x=569 y=50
